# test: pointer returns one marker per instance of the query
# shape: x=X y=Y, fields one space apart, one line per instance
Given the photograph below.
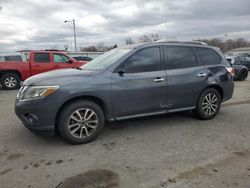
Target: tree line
x=224 y=45
x=227 y=45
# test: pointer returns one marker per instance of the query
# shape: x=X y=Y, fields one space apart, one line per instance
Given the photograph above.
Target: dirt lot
x=174 y=150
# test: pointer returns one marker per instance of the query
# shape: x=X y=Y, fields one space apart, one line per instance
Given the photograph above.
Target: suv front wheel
x=208 y=104
x=81 y=122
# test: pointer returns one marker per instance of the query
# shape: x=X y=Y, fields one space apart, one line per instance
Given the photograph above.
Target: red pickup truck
x=16 y=69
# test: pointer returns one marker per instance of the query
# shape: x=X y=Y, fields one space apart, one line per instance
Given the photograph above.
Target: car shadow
x=112 y=130
x=145 y=121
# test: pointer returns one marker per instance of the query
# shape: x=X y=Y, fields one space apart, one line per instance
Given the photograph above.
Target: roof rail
x=183 y=42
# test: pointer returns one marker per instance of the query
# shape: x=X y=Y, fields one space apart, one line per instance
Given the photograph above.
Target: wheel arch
x=218 y=88
x=94 y=99
x=3 y=72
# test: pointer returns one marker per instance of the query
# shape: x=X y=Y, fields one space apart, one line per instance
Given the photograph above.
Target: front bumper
x=38 y=115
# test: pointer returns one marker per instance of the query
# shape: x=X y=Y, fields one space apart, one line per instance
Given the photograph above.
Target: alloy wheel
x=10 y=82
x=210 y=104
x=82 y=123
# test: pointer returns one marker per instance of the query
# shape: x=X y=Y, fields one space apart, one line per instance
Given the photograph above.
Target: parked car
x=243 y=59
x=82 y=58
x=240 y=71
x=238 y=58
x=17 y=69
x=134 y=81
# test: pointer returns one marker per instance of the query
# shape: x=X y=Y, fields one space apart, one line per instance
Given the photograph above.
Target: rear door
x=41 y=62
x=244 y=60
x=186 y=78
x=141 y=88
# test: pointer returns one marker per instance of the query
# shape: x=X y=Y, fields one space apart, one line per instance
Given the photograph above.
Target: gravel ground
x=174 y=150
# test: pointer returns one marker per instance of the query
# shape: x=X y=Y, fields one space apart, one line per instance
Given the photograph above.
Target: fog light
x=31 y=118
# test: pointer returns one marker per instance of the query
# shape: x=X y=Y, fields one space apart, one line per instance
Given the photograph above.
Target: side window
x=247 y=57
x=145 y=60
x=239 y=58
x=13 y=58
x=180 y=57
x=208 y=56
x=60 y=58
x=42 y=58
x=2 y=59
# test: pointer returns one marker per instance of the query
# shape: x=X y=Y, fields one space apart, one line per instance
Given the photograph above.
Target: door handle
x=158 y=79
x=202 y=74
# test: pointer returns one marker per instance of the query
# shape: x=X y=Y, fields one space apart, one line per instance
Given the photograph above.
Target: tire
x=206 y=108
x=81 y=122
x=243 y=75
x=10 y=81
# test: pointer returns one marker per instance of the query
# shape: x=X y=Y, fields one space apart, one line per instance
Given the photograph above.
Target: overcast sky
x=39 y=24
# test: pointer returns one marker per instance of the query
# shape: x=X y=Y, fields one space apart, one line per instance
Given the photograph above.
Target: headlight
x=39 y=91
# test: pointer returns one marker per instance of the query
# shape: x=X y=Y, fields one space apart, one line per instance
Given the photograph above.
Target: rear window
x=13 y=58
x=42 y=58
x=208 y=56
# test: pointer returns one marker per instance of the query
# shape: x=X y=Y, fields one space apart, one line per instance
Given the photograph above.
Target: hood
x=58 y=77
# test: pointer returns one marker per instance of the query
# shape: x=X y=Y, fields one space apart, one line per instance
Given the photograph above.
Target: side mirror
x=121 y=71
x=70 y=61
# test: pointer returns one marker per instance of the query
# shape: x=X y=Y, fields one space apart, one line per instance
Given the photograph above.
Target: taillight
x=230 y=70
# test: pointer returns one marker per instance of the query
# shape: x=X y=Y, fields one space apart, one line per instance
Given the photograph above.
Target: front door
x=139 y=84
x=61 y=61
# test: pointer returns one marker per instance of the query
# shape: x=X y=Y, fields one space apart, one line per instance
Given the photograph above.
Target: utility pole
x=74 y=30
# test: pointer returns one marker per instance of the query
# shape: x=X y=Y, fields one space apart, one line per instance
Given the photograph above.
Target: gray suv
x=134 y=81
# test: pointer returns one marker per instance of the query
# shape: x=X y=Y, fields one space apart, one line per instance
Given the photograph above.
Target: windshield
x=105 y=60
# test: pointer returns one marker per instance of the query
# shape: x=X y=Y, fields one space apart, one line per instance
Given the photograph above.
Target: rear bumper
x=228 y=89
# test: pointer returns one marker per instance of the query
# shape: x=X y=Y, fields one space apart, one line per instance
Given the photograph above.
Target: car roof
x=176 y=43
x=49 y=51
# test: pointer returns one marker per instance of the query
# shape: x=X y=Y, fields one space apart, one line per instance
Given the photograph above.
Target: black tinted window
x=208 y=56
x=146 y=60
x=180 y=57
x=239 y=58
x=13 y=58
x=81 y=58
x=42 y=58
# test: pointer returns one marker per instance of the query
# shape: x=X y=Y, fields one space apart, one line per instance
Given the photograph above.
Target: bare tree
x=90 y=48
x=100 y=47
x=129 y=41
x=144 y=38
x=66 y=45
x=149 y=38
x=228 y=44
x=155 y=37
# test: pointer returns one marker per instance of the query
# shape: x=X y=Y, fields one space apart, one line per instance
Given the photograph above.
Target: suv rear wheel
x=10 y=81
x=208 y=104
x=81 y=122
